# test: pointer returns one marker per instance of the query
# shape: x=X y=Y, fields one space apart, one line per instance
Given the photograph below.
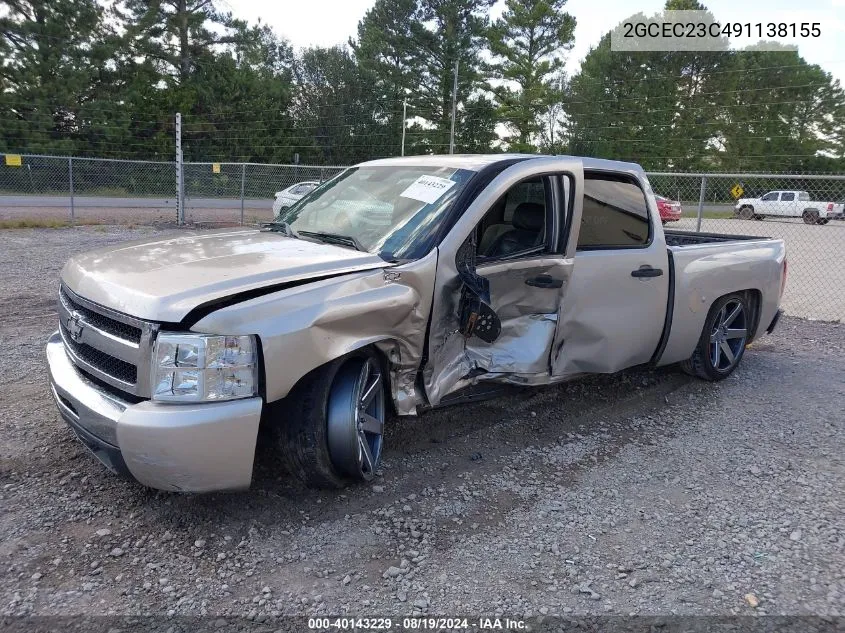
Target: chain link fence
x=60 y=188
x=242 y=192
x=804 y=210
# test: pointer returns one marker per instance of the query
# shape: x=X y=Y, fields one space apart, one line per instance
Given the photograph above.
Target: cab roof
x=476 y=162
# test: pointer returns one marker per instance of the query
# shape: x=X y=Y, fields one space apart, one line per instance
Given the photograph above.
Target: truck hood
x=164 y=279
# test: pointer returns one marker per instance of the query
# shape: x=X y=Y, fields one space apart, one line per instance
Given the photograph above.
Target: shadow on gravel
x=434 y=449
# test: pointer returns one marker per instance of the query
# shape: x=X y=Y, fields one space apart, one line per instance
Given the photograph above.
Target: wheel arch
x=754 y=300
x=386 y=349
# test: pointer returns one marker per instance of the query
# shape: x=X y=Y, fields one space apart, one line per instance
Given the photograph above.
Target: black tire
x=824 y=221
x=706 y=364
x=760 y=217
x=301 y=425
x=746 y=213
x=810 y=216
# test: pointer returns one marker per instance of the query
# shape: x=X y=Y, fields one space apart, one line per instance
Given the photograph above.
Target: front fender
x=305 y=327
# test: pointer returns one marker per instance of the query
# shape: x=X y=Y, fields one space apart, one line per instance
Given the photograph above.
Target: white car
x=287 y=197
x=789 y=204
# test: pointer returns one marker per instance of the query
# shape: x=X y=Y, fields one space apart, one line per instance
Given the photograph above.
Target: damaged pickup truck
x=399 y=285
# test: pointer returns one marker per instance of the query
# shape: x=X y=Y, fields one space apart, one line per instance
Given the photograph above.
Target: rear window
x=803 y=195
x=787 y=196
x=615 y=213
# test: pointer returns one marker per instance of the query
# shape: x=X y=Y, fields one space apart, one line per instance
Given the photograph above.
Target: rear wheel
x=722 y=342
x=810 y=216
x=746 y=213
x=331 y=426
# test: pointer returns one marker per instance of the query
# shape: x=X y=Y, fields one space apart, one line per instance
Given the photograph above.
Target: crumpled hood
x=164 y=279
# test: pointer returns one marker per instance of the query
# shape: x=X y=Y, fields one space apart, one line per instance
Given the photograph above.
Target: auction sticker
x=428 y=189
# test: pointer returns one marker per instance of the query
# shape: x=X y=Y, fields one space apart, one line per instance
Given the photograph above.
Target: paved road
x=99 y=202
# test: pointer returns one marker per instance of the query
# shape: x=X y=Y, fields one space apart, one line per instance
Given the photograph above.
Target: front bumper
x=182 y=447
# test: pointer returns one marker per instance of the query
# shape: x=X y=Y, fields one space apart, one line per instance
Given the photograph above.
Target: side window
x=516 y=223
x=770 y=197
x=615 y=213
x=787 y=196
x=803 y=195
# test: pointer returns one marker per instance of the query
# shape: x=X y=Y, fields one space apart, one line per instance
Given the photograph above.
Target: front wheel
x=746 y=213
x=722 y=342
x=330 y=427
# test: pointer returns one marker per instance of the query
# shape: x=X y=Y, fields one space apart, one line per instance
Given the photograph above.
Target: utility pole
x=404 y=120
x=454 y=109
x=180 y=175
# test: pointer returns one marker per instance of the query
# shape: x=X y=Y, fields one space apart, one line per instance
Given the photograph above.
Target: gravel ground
x=639 y=493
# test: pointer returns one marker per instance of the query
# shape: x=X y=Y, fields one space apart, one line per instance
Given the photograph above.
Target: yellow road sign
x=215 y=168
x=13 y=160
x=737 y=190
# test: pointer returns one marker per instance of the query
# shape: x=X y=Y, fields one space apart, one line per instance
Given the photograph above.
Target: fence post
x=180 y=174
x=70 y=182
x=243 y=180
x=701 y=202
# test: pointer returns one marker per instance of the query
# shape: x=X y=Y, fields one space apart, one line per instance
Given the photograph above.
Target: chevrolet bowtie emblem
x=74 y=327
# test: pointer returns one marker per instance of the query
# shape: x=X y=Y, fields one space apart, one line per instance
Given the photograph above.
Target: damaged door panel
x=495 y=316
x=621 y=281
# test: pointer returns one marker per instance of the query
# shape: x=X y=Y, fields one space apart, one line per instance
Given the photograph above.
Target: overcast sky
x=330 y=22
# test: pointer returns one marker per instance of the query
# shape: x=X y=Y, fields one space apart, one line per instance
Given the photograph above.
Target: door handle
x=544 y=281
x=647 y=271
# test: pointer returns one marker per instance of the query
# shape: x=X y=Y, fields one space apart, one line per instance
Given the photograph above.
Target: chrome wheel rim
x=355 y=418
x=728 y=336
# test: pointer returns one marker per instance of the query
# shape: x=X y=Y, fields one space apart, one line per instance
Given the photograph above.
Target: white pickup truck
x=487 y=270
x=788 y=204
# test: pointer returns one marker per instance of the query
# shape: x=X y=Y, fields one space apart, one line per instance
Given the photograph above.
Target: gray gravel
x=640 y=493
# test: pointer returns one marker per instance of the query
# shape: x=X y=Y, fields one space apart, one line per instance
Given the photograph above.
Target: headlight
x=200 y=367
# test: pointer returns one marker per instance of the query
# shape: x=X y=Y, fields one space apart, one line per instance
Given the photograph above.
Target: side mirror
x=477 y=318
x=475 y=315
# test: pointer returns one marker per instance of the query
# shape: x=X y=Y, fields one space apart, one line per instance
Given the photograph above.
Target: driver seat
x=529 y=219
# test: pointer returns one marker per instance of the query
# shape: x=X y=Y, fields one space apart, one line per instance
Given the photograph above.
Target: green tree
x=656 y=108
x=447 y=31
x=338 y=120
x=52 y=53
x=782 y=114
x=388 y=61
x=528 y=42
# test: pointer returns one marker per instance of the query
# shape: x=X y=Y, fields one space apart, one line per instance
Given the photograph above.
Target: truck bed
x=691 y=238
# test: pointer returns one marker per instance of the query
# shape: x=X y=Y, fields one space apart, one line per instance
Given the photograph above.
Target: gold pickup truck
x=399 y=285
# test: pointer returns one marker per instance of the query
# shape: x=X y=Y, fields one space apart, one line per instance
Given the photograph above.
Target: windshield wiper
x=334 y=238
x=280 y=227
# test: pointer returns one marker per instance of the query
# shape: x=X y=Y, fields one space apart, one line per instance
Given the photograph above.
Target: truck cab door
x=787 y=205
x=501 y=277
x=614 y=312
x=769 y=204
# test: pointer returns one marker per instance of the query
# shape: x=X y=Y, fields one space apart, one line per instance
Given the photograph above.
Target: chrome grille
x=104 y=323
x=107 y=345
x=123 y=371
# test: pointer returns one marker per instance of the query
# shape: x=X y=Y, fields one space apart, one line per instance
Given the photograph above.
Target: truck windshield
x=392 y=211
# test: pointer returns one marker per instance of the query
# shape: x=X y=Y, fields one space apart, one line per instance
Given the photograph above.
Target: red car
x=670 y=210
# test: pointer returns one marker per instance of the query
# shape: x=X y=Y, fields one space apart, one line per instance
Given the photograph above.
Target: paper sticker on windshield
x=428 y=189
